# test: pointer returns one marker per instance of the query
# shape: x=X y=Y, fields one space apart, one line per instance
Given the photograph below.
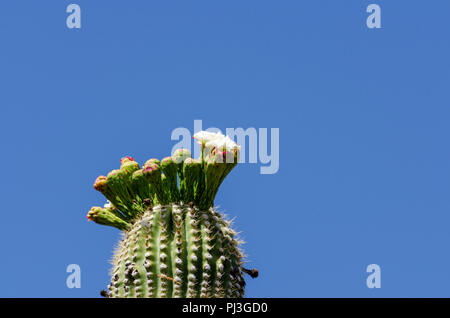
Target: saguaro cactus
x=175 y=244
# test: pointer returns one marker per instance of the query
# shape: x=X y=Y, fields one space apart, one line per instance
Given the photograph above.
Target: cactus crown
x=131 y=189
x=175 y=244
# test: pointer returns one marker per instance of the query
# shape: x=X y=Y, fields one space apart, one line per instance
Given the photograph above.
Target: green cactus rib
x=174 y=243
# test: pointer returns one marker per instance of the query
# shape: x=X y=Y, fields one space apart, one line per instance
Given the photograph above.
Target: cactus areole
x=175 y=244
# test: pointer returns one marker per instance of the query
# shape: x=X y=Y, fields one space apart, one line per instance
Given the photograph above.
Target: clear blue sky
x=364 y=119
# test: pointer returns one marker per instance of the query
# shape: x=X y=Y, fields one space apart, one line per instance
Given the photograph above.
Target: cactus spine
x=175 y=244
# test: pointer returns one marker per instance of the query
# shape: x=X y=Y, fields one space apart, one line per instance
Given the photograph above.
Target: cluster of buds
x=132 y=189
x=217 y=147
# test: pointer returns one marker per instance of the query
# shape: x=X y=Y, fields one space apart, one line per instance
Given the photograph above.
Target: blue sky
x=364 y=119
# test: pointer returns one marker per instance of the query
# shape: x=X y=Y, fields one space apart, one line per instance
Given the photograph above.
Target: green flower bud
x=106 y=217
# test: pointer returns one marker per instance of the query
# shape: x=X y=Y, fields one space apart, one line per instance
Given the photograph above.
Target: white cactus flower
x=223 y=143
x=205 y=136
